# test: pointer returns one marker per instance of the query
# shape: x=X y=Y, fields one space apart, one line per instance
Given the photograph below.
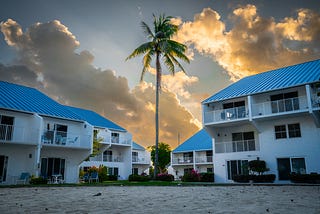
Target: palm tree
x=163 y=48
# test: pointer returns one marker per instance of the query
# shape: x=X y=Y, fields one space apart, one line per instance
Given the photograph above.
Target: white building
x=274 y=116
x=39 y=136
x=141 y=160
x=116 y=145
x=195 y=153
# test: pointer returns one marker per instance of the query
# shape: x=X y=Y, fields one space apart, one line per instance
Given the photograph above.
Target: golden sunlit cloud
x=254 y=44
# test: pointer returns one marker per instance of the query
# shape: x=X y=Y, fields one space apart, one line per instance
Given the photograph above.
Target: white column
x=250 y=108
x=308 y=92
x=39 y=145
x=194 y=159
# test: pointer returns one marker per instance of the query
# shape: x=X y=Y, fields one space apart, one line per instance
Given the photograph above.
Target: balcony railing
x=280 y=106
x=225 y=114
x=182 y=160
x=60 y=138
x=204 y=159
x=236 y=146
x=141 y=160
x=112 y=158
x=10 y=133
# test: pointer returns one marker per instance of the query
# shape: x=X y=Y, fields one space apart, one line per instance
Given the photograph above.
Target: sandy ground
x=199 y=199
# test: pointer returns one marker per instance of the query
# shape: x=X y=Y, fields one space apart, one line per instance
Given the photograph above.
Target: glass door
x=284 y=168
x=3 y=167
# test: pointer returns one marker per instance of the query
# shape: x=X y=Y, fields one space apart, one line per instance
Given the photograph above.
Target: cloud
x=253 y=44
x=47 y=60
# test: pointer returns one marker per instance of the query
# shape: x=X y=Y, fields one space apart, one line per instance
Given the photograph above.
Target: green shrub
x=38 y=180
x=312 y=178
x=207 y=177
x=258 y=166
x=112 y=177
x=133 y=177
x=269 y=178
x=165 y=177
x=193 y=176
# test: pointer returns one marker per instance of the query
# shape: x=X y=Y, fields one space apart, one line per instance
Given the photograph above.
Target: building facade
x=195 y=153
x=141 y=160
x=39 y=136
x=272 y=116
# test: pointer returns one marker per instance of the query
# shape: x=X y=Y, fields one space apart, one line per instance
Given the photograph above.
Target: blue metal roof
x=201 y=141
x=286 y=77
x=30 y=100
x=95 y=119
x=136 y=146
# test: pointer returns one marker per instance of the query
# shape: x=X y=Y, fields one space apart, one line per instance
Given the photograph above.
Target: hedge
x=312 y=178
x=268 y=178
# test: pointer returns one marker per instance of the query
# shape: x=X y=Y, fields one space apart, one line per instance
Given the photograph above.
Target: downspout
x=39 y=145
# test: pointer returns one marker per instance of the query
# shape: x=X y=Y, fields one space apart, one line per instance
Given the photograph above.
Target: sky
x=74 y=51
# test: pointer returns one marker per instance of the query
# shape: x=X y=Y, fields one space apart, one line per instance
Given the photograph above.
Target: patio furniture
x=57 y=179
x=94 y=177
x=85 y=177
x=24 y=178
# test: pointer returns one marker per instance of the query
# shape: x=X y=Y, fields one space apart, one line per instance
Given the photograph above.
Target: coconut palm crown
x=162 y=48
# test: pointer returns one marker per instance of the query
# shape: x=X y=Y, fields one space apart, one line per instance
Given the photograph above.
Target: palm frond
x=142 y=49
x=168 y=62
x=147 y=30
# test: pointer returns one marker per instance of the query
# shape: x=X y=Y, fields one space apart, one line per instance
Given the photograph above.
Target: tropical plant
x=162 y=47
x=164 y=151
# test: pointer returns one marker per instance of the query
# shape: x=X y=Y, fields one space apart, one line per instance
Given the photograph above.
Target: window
x=52 y=166
x=243 y=141
x=6 y=127
x=135 y=171
x=284 y=102
x=107 y=156
x=237 y=167
x=135 y=157
x=280 y=131
x=289 y=165
x=114 y=137
x=294 y=130
x=188 y=157
x=113 y=171
x=61 y=133
x=234 y=110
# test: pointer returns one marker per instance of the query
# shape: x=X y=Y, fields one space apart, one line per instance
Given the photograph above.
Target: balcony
x=112 y=158
x=203 y=159
x=139 y=160
x=182 y=160
x=60 y=138
x=223 y=115
x=282 y=106
x=236 y=146
x=16 y=134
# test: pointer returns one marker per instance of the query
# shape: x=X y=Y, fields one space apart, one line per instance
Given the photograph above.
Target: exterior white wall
x=307 y=146
x=143 y=162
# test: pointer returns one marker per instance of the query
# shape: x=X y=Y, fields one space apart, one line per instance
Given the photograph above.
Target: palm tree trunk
x=158 y=88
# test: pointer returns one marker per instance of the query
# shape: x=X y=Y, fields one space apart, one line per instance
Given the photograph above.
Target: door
x=284 y=168
x=3 y=168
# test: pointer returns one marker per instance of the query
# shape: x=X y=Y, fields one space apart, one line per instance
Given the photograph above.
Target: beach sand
x=154 y=199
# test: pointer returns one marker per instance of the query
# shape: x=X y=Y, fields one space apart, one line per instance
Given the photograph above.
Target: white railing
x=225 y=114
x=141 y=160
x=279 y=106
x=10 y=133
x=112 y=158
x=59 y=138
x=204 y=159
x=236 y=146
x=182 y=160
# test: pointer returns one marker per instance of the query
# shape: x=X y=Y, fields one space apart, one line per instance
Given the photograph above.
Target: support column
x=39 y=144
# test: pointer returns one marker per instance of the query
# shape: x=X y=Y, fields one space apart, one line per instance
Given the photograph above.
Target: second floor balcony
x=280 y=106
x=60 y=138
x=112 y=158
x=203 y=159
x=223 y=115
x=140 y=160
x=236 y=146
x=17 y=134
